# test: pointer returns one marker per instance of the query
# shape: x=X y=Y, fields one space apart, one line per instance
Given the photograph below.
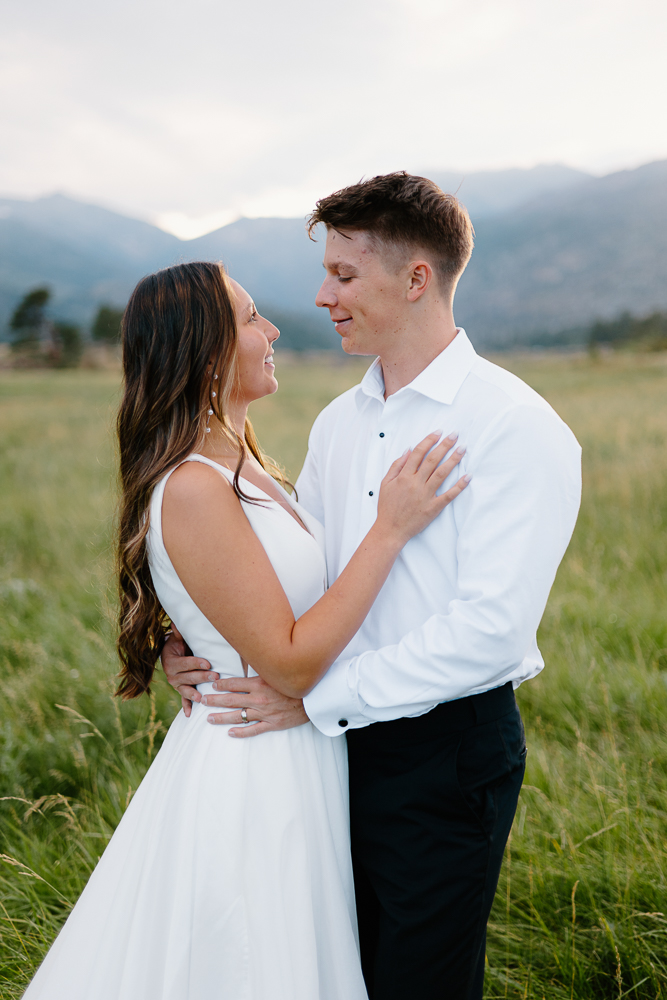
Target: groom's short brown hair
x=402 y=212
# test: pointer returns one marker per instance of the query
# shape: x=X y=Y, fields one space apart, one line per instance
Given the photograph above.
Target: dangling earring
x=210 y=411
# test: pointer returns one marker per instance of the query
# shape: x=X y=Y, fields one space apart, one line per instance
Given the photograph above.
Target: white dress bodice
x=296 y=556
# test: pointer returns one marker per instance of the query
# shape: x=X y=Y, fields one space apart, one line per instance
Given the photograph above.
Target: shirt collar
x=441 y=380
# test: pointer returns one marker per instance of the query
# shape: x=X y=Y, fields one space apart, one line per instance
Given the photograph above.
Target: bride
x=229 y=875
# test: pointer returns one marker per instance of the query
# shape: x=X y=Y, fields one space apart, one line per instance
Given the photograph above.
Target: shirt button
x=370 y=493
x=342 y=723
x=381 y=434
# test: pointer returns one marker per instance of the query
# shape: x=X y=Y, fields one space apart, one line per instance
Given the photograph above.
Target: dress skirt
x=228 y=878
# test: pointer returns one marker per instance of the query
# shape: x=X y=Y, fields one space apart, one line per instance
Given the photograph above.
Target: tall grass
x=581 y=909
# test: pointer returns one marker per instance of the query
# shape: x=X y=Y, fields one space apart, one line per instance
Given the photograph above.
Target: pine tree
x=106 y=325
x=29 y=324
x=69 y=345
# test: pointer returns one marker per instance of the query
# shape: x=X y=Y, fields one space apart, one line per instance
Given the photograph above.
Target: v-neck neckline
x=297 y=520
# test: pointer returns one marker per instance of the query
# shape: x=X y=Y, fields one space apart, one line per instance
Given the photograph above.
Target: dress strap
x=209 y=461
x=265 y=498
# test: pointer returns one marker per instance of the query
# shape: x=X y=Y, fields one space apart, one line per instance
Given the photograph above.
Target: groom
x=425 y=690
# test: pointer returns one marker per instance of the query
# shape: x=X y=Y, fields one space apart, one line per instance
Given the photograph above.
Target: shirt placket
x=381 y=453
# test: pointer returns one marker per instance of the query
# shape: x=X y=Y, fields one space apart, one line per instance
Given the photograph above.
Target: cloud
x=209 y=110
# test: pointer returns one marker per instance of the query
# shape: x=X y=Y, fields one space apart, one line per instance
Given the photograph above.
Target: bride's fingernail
x=461 y=450
x=453 y=436
x=203 y=700
x=467 y=478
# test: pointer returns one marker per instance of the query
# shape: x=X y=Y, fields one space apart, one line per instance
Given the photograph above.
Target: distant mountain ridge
x=492 y=192
x=554 y=248
x=88 y=255
x=570 y=257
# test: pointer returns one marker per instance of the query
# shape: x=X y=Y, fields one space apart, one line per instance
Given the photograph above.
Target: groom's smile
x=342 y=324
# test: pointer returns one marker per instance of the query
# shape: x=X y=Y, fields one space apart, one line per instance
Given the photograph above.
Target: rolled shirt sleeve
x=514 y=523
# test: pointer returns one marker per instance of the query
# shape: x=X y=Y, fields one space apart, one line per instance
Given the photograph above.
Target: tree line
x=37 y=339
x=648 y=333
x=626 y=332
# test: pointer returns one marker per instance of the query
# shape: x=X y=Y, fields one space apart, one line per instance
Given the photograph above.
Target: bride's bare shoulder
x=195 y=484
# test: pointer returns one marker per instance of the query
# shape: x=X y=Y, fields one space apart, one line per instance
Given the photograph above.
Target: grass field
x=581 y=911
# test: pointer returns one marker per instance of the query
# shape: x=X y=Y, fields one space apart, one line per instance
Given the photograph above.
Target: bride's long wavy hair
x=178 y=330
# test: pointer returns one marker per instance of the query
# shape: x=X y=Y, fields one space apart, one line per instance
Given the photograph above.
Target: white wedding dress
x=229 y=876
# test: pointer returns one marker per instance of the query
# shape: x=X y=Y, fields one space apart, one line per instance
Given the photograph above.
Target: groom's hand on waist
x=183 y=670
x=266 y=708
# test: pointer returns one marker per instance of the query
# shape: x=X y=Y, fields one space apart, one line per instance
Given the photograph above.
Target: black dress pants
x=432 y=801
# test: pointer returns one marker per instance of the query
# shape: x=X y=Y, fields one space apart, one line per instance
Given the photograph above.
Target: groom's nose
x=326 y=297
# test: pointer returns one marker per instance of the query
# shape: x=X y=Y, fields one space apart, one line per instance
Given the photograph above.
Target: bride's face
x=256 y=336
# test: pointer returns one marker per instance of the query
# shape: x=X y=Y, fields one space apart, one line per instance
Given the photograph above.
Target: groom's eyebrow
x=340 y=266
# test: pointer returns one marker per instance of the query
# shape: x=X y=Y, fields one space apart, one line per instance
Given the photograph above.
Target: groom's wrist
x=332 y=706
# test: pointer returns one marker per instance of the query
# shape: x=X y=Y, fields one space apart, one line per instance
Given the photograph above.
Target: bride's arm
x=224 y=568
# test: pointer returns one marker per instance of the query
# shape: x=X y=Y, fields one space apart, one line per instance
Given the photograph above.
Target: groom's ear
x=419 y=278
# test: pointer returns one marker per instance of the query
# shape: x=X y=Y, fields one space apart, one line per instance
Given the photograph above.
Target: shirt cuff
x=333 y=706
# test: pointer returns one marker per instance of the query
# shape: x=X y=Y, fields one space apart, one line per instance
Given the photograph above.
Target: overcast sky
x=192 y=113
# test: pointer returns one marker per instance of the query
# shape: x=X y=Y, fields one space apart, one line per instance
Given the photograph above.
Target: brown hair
x=404 y=212
x=179 y=328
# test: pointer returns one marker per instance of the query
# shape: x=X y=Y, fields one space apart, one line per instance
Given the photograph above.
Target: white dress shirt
x=459 y=612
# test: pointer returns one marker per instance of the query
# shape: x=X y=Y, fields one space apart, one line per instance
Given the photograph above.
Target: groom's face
x=364 y=294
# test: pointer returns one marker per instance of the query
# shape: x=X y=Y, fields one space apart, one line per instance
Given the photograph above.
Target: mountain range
x=555 y=248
